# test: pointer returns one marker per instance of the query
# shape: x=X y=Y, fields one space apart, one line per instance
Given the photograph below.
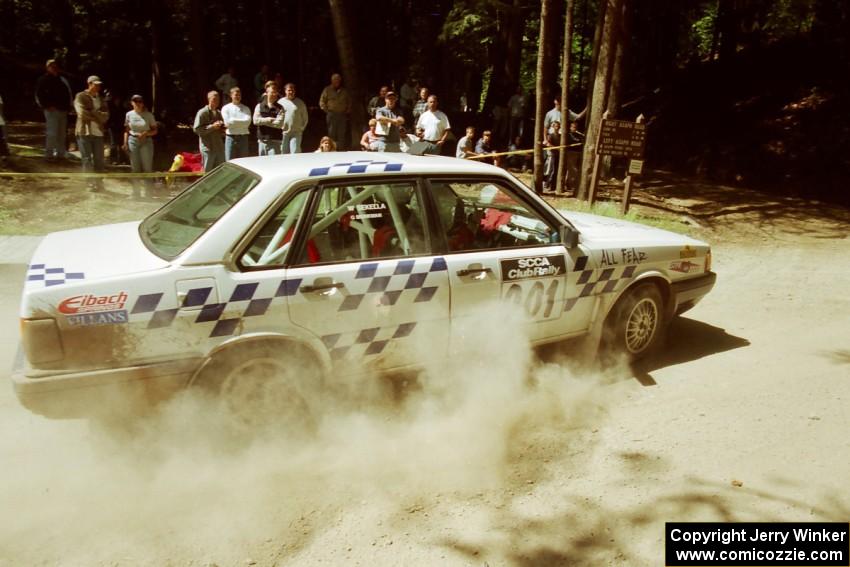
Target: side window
x=486 y=216
x=363 y=221
x=269 y=246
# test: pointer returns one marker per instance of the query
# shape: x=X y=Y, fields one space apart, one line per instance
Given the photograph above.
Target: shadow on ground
x=585 y=532
x=688 y=340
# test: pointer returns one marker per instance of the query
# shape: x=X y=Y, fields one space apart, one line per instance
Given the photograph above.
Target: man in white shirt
x=237 y=122
x=435 y=126
x=295 y=120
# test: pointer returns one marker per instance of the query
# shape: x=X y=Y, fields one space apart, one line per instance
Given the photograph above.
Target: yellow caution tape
x=517 y=152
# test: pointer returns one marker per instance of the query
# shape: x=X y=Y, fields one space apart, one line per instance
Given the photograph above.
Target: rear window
x=170 y=230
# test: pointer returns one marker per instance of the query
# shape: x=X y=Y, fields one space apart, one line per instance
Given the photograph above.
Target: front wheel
x=635 y=326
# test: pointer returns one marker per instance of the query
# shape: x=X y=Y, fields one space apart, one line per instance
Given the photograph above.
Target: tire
x=636 y=325
x=265 y=384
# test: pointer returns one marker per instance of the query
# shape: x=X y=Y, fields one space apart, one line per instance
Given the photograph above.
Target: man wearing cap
x=92 y=115
x=53 y=96
x=209 y=126
x=389 y=119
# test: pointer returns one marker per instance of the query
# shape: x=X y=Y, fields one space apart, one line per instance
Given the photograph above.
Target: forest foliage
x=173 y=50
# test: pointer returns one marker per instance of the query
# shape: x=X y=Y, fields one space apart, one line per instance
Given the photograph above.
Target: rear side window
x=170 y=230
x=364 y=221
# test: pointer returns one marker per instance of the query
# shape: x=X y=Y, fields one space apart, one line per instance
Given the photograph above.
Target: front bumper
x=687 y=293
x=97 y=392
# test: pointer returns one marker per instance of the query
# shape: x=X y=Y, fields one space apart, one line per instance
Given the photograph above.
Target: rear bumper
x=96 y=392
x=687 y=293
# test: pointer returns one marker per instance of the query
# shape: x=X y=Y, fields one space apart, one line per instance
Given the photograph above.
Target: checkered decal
x=391 y=285
x=605 y=280
x=402 y=278
x=51 y=276
x=242 y=299
x=360 y=166
x=368 y=342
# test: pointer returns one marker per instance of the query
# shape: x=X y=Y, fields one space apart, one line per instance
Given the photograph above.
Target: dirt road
x=744 y=417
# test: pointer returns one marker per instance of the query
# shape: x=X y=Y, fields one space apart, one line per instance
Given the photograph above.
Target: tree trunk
x=615 y=91
x=158 y=32
x=597 y=44
x=197 y=9
x=546 y=28
x=513 y=43
x=299 y=36
x=727 y=22
x=63 y=21
x=350 y=72
x=505 y=54
x=581 y=58
x=265 y=15
x=600 y=87
x=565 y=89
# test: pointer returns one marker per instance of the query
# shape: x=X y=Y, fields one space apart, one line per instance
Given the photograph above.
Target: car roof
x=290 y=167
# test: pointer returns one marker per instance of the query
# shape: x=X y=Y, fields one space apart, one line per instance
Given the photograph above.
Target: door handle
x=474 y=269
x=319 y=286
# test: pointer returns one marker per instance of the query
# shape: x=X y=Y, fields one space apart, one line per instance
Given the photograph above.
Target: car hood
x=84 y=254
x=607 y=230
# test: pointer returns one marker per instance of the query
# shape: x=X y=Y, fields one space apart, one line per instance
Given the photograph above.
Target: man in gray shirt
x=209 y=126
x=389 y=119
x=294 y=121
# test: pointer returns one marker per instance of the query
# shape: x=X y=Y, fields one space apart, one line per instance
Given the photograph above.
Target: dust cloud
x=182 y=488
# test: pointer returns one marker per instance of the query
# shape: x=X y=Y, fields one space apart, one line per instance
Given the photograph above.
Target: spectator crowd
x=409 y=120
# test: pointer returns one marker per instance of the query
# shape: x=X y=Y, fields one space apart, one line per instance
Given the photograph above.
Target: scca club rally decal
x=87 y=310
x=533 y=267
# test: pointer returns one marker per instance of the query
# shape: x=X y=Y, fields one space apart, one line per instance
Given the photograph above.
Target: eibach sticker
x=90 y=310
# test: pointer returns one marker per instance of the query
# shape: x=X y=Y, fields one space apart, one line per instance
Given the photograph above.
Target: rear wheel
x=265 y=384
x=635 y=327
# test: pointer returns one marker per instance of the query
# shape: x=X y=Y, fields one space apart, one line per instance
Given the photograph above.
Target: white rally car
x=331 y=261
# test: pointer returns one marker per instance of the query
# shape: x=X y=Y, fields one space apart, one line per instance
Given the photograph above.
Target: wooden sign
x=621 y=138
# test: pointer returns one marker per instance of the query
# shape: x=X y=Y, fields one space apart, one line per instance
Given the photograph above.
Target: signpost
x=620 y=138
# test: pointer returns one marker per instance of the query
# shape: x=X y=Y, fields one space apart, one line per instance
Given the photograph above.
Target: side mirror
x=569 y=236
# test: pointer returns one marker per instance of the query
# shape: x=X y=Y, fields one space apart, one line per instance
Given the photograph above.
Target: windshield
x=170 y=230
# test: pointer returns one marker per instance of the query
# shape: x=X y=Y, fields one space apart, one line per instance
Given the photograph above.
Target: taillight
x=708 y=260
x=41 y=341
